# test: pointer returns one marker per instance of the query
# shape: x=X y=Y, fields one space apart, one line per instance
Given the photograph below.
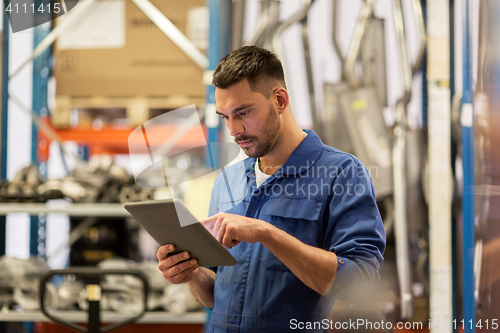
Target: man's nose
x=235 y=127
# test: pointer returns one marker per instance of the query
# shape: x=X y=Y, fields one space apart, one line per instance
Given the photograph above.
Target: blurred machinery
x=100 y=180
x=19 y=282
x=20 y=279
x=395 y=156
x=353 y=110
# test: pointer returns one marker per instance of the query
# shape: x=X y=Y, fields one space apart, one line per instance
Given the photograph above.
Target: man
x=300 y=217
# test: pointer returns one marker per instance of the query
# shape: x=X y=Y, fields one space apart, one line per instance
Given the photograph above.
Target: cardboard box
x=116 y=51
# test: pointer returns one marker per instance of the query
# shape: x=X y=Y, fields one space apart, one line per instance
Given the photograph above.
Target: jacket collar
x=302 y=158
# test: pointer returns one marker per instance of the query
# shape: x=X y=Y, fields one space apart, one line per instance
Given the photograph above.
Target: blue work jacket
x=323 y=197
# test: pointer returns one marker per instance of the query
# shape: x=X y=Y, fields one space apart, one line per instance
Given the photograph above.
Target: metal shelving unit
x=77 y=209
x=153 y=317
x=40 y=108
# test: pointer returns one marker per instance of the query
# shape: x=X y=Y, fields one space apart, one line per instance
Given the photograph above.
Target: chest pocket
x=238 y=207
x=298 y=218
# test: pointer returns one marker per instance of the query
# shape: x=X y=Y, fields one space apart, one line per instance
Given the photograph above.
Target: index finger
x=164 y=250
x=210 y=221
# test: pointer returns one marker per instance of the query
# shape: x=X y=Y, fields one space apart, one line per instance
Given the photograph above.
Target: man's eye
x=242 y=113
x=224 y=117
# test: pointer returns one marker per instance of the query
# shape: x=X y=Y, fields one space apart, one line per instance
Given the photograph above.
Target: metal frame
x=3 y=129
x=4 y=119
x=439 y=166
x=399 y=172
x=219 y=46
x=41 y=73
x=468 y=233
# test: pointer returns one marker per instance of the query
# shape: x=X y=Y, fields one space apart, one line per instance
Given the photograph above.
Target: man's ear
x=282 y=99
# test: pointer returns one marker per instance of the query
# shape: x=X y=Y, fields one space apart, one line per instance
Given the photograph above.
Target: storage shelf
x=117 y=140
x=156 y=317
x=77 y=209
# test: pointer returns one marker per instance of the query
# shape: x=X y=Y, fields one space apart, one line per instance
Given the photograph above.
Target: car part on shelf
x=6 y=297
x=19 y=283
x=178 y=299
x=27 y=296
x=154 y=301
x=30 y=184
x=156 y=280
x=14 y=271
x=74 y=189
x=23 y=186
x=126 y=301
x=92 y=278
x=68 y=292
x=100 y=180
x=127 y=194
x=131 y=192
x=13 y=192
x=119 y=281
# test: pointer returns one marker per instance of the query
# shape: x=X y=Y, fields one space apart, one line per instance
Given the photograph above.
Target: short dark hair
x=252 y=63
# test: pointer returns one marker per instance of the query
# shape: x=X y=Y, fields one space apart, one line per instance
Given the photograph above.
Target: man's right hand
x=176 y=268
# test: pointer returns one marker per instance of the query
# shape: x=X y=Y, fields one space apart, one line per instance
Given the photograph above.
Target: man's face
x=251 y=117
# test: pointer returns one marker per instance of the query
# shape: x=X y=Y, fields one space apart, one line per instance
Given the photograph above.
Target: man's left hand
x=230 y=229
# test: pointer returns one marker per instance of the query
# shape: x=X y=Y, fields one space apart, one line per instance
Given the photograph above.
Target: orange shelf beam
x=115 y=140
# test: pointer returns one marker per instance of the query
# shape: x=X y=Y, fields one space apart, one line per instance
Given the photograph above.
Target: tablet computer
x=161 y=220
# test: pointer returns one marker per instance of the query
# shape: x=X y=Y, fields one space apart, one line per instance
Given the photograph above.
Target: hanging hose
x=300 y=16
x=310 y=79
x=352 y=54
x=399 y=156
x=336 y=44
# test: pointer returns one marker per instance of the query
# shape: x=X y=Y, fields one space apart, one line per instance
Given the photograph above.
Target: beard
x=263 y=144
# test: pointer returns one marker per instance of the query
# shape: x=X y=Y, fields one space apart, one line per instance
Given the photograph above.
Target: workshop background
x=409 y=86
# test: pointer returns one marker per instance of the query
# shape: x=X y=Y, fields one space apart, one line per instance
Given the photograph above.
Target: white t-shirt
x=260 y=177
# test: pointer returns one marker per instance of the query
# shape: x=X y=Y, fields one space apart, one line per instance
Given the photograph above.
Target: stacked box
x=114 y=50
